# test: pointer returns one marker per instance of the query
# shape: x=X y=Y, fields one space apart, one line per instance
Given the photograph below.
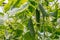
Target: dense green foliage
x=30 y=20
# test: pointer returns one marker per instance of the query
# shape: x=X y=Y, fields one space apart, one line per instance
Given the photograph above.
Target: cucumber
x=31 y=28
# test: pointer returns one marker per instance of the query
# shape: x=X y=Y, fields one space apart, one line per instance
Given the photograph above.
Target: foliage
x=30 y=20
